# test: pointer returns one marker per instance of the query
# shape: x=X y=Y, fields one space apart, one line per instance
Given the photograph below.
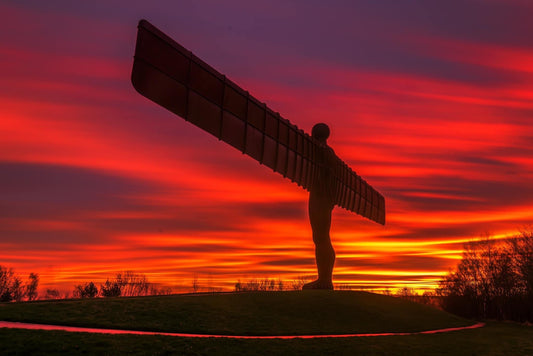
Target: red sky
x=431 y=104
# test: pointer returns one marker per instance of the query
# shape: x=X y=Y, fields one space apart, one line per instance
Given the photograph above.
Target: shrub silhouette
x=87 y=290
x=52 y=294
x=110 y=289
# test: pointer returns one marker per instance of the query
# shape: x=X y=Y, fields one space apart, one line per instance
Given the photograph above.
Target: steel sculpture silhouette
x=173 y=77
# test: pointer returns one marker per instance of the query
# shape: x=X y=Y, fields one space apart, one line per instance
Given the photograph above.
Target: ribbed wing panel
x=173 y=77
x=353 y=193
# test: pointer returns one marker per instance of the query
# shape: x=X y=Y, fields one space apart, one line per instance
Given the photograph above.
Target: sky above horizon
x=430 y=102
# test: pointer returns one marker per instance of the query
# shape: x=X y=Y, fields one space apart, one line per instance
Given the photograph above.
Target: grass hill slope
x=259 y=313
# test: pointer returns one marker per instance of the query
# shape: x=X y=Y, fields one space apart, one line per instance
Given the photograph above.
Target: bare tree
x=522 y=248
x=10 y=286
x=132 y=284
x=31 y=286
x=493 y=280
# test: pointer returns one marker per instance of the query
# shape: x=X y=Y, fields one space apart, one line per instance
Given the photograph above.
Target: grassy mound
x=261 y=313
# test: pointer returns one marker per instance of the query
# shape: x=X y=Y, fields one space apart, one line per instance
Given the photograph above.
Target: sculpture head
x=320 y=132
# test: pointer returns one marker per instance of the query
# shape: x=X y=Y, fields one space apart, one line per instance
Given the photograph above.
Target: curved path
x=17 y=325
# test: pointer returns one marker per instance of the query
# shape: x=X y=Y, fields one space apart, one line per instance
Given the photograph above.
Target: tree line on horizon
x=124 y=284
x=493 y=280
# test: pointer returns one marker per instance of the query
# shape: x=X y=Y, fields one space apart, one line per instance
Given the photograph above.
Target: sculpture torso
x=323 y=189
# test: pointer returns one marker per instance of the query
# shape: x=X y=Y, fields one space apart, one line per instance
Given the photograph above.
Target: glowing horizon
x=96 y=180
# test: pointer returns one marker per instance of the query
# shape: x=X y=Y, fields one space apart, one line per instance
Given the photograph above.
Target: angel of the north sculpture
x=173 y=77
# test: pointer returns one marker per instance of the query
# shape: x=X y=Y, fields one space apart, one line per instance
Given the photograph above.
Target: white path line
x=18 y=325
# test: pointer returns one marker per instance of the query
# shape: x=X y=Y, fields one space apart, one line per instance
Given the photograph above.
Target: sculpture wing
x=173 y=77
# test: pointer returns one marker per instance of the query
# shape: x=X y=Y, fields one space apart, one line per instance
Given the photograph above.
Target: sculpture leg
x=320 y=218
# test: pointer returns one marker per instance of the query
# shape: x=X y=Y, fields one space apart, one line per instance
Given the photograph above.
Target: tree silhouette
x=110 y=289
x=12 y=288
x=31 y=287
x=493 y=280
x=87 y=290
x=9 y=285
x=522 y=247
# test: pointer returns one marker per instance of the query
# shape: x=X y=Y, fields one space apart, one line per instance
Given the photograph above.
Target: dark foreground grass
x=293 y=313
x=267 y=313
x=494 y=339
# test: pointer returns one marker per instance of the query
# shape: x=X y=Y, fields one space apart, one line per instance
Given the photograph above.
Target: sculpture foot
x=318 y=284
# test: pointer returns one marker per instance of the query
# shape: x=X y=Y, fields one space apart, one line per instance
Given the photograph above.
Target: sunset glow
x=95 y=179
